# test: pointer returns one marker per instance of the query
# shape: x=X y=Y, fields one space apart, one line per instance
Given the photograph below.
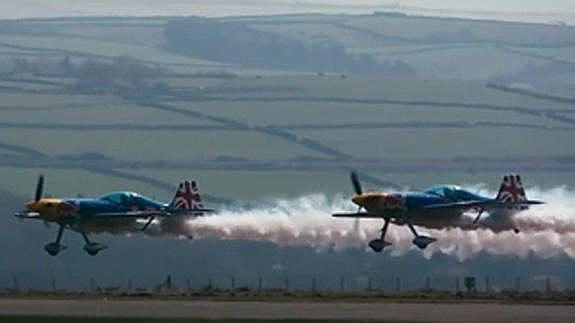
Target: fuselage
x=81 y=213
x=398 y=206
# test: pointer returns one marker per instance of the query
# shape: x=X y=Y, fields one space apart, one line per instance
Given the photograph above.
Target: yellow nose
x=359 y=200
x=32 y=206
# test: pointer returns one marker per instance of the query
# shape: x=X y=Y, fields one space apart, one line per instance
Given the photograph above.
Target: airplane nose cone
x=31 y=206
x=358 y=199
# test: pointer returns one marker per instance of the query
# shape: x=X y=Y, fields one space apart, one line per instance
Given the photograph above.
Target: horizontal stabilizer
x=196 y=211
x=357 y=215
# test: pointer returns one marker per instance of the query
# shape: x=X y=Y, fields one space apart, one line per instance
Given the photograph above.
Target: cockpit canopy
x=453 y=193
x=131 y=200
x=121 y=198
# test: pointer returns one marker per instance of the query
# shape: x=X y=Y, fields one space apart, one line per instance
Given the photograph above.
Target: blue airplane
x=439 y=207
x=114 y=212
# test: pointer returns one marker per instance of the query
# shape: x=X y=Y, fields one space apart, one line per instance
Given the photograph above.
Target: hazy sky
x=529 y=10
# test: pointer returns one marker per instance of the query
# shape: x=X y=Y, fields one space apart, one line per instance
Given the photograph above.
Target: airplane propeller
x=478 y=216
x=150 y=220
x=357 y=187
x=355 y=182
x=39 y=188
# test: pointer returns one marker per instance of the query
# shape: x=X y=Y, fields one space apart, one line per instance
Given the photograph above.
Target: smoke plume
x=547 y=230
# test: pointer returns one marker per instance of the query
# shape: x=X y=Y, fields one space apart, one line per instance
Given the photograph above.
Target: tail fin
x=511 y=190
x=187 y=197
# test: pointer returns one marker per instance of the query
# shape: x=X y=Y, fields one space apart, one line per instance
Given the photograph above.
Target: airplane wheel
x=516 y=230
x=422 y=241
x=94 y=248
x=54 y=248
x=377 y=245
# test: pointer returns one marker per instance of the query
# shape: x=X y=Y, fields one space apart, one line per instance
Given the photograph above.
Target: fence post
x=314 y=285
x=457 y=288
x=260 y=284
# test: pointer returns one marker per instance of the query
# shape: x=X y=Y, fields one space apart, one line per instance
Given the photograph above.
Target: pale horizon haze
x=550 y=11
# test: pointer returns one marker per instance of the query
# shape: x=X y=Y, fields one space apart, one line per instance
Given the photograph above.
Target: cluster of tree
x=237 y=43
x=38 y=67
x=123 y=75
x=545 y=73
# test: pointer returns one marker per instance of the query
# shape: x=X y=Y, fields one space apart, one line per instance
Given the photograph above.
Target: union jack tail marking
x=187 y=197
x=511 y=190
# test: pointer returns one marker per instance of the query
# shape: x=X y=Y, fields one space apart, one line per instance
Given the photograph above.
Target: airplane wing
x=487 y=205
x=357 y=215
x=148 y=214
x=128 y=214
x=28 y=215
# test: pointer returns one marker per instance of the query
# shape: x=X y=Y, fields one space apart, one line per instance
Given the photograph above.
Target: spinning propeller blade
x=148 y=223
x=39 y=188
x=355 y=182
x=357 y=187
x=478 y=216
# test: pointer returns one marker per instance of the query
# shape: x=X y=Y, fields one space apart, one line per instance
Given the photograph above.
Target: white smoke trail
x=546 y=230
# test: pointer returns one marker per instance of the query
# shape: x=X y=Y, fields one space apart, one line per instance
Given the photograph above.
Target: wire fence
x=312 y=285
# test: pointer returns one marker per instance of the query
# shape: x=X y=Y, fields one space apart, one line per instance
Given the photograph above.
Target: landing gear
x=53 y=248
x=92 y=248
x=377 y=245
x=516 y=230
x=420 y=241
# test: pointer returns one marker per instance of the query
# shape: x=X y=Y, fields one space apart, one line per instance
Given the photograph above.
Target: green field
x=36 y=101
x=159 y=145
x=102 y=114
x=102 y=48
x=401 y=144
x=286 y=113
x=387 y=88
